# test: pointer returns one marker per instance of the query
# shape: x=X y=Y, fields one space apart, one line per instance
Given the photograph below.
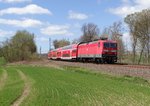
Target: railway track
x=125 y=65
x=136 y=66
x=142 y=71
x=131 y=65
x=114 y=69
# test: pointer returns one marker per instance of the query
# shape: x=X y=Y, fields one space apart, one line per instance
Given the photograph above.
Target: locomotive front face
x=110 y=48
x=110 y=52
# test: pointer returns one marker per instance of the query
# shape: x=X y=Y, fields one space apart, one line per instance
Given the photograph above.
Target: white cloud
x=56 y=30
x=29 y=9
x=77 y=16
x=145 y=3
x=25 y=23
x=14 y=1
x=4 y=33
x=130 y=6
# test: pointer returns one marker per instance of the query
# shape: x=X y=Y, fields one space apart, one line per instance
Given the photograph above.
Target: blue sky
x=58 y=19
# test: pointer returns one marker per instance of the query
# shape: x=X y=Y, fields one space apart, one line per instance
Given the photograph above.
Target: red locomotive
x=100 y=51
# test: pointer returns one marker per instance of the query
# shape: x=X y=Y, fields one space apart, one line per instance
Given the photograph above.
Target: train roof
x=65 y=47
x=69 y=46
x=75 y=45
x=96 y=41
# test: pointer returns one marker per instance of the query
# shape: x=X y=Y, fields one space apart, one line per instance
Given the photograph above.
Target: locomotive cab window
x=110 y=45
x=106 y=45
x=113 y=45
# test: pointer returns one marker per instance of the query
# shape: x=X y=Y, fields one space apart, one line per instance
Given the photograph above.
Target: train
x=99 y=51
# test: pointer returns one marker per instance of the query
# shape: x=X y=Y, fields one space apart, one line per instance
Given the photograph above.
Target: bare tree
x=60 y=43
x=90 y=32
x=140 y=23
x=131 y=21
x=56 y=44
x=106 y=32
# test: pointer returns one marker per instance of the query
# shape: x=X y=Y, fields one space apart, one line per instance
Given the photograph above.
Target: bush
x=20 y=47
x=34 y=56
x=2 y=61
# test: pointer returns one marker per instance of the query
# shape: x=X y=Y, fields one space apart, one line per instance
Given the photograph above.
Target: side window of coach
x=98 y=44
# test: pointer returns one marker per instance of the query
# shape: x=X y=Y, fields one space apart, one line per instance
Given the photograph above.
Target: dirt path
x=26 y=90
x=3 y=79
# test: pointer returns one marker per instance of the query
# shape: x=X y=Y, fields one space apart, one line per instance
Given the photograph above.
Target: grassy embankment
x=72 y=86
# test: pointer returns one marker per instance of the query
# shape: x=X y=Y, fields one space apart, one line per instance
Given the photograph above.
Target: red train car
x=100 y=51
x=53 y=54
x=69 y=52
x=59 y=53
x=49 y=55
x=64 y=53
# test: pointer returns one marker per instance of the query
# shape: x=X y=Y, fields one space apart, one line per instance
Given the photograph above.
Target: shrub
x=2 y=61
x=20 y=47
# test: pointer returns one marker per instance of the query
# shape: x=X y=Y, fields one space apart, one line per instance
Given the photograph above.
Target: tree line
x=20 y=47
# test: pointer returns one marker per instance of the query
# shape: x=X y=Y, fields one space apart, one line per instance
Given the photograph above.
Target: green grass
x=2 y=61
x=12 y=89
x=1 y=71
x=75 y=86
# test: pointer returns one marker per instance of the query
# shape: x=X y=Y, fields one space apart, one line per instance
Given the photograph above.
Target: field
x=26 y=85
